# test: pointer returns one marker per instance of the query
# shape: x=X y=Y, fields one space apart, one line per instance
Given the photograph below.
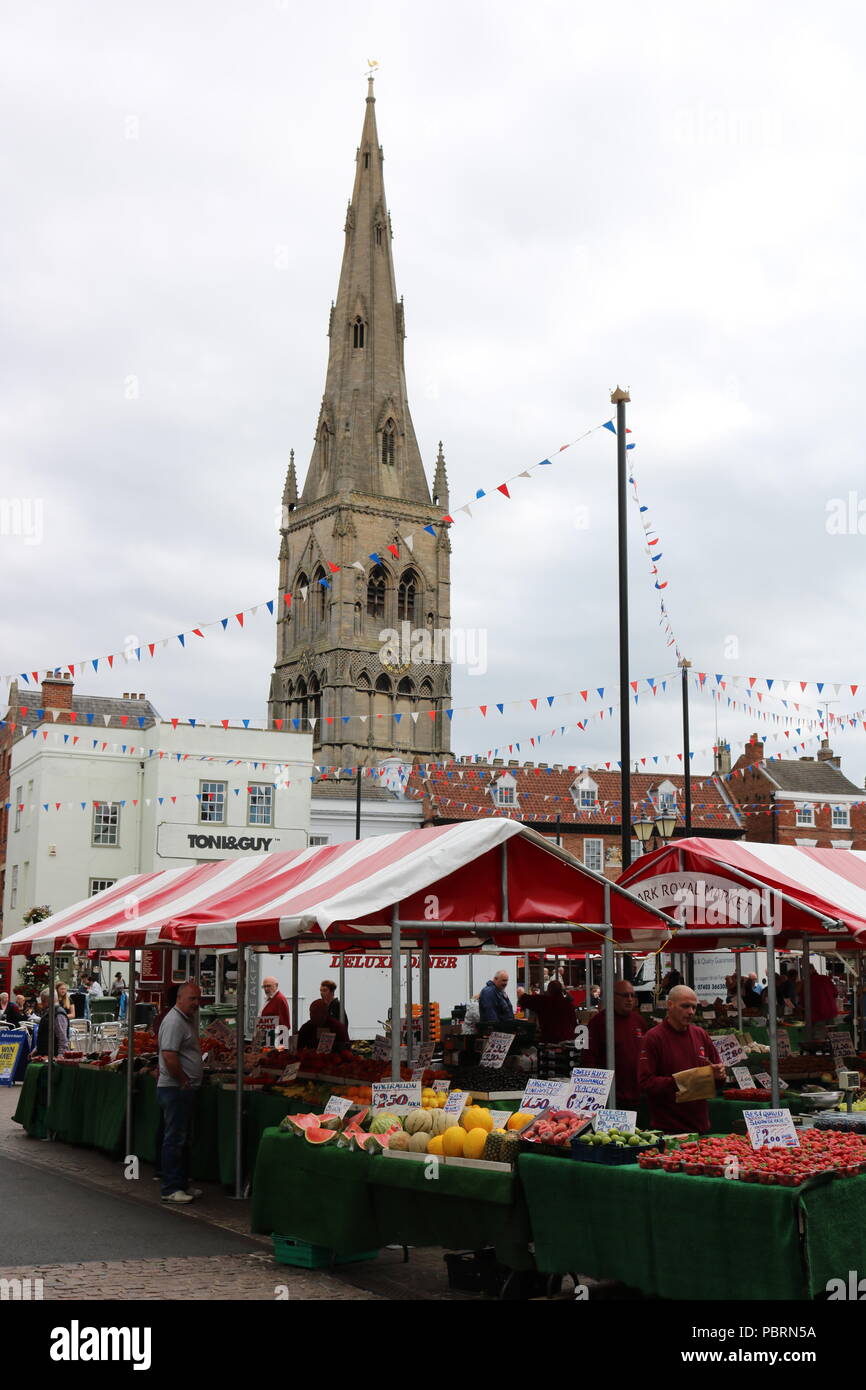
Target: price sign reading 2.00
x=396 y=1095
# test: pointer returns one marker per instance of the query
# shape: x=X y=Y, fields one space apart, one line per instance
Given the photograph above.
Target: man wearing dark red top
x=555 y=1011
x=676 y=1045
x=628 y=1036
x=320 y=1022
x=277 y=1006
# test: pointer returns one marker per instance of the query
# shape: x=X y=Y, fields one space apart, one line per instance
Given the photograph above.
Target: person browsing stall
x=627 y=1035
x=328 y=992
x=557 y=1019
x=276 y=1003
x=320 y=1021
x=674 y=1045
x=494 y=1006
x=180 y=1076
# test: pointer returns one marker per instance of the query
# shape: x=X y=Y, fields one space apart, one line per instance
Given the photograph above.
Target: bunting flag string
x=134 y=650
x=652 y=546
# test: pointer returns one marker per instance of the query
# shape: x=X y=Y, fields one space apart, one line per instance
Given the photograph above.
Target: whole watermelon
x=383 y=1121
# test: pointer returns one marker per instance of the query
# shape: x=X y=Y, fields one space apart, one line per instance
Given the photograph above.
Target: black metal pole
x=619 y=398
x=558 y=830
x=358 y=802
x=687 y=761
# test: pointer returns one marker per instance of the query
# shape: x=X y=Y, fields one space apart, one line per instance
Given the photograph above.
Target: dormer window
x=388 y=436
x=585 y=794
x=358 y=332
x=666 y=799
x=505 y=792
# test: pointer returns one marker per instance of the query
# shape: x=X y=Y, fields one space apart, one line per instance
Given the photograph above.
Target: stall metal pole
x=470 y=983
x=410 y=1017
x=506 y=915
x=772 y=1022
x=196 y=972
x=239 y=1072
x=807 y=991
x=607 y=976
x=342 y=986
x=395 y=995
x=425 y=989
x=52 y=963
x=738 y=966
x=295 y=1024
x=130 y=1049
x=527 y=978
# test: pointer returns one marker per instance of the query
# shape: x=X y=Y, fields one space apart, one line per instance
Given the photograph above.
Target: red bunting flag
x=335 y=569
x=483 y=709
x=150 y=647
x=197 y=632
x=279 y=723
x=111 y=661
x=225 y=723
x=240 y=618
x=503 y=488
x=287 y=600
x=394 y=551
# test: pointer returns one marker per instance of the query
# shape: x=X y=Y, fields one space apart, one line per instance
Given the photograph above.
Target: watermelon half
x=317 y=1135
x=299 y=1124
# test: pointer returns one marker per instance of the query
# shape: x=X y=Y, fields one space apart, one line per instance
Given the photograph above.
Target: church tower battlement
x=364 y=493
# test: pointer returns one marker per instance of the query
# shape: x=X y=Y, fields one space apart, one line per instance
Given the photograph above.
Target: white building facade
x=89 y=809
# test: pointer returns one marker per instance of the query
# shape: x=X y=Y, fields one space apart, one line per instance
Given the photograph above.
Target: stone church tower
x=364 y=506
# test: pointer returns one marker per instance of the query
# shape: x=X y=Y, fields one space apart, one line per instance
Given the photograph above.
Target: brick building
x=798 y=801
x=581 y=806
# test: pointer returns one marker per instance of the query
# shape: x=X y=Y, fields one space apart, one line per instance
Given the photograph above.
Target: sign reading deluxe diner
x=205 y=842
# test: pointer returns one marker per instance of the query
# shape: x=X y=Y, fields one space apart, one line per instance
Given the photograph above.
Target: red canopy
x=440 y=879
x=723 y=886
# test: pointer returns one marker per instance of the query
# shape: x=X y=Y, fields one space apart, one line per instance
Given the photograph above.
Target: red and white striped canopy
x=450 y=874
x=714 y=875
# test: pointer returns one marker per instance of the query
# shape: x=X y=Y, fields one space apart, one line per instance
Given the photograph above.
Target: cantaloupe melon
x=418 y=1142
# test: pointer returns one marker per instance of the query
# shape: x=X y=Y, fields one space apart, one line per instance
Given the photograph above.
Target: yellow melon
x=476 y=1117
x=434 y=1145
x=452 y=1142
x=473 y=1143
x=519 y=1119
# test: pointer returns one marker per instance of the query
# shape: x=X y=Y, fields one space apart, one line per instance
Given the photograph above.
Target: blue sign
x=14 y=1050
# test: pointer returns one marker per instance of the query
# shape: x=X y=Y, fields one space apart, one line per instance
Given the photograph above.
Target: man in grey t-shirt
x=180 y=1074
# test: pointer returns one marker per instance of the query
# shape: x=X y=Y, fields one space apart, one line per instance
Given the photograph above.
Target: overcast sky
x=668 y=196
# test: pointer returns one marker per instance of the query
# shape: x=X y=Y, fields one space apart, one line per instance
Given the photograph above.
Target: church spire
x=365 y=439
x=290 y=491
x=440 y=482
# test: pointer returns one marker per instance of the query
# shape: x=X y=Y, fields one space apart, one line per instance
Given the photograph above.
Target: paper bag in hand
x=698 y=1083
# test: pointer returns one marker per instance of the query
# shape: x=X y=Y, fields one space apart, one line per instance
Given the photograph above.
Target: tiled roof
x=821 y=779
x=461 y=792
x=330 y=790
x=83 y=705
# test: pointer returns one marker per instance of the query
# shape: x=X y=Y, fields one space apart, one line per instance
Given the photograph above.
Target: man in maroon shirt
x=277 y=1005
x=676 y=1045
x=555 y=1011
x=628 y=1036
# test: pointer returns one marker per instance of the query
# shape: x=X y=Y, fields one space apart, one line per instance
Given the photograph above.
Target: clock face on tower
x=396 y=668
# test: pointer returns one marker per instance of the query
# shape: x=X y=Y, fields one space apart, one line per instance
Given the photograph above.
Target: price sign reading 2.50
x=396 y=1095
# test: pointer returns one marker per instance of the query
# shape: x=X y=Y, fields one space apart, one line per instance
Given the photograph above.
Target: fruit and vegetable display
x=747 y=1093
x=854 y=1124
x=620 y=1139
x=555 y=1127
x=418 y=1131
x=820 y=1151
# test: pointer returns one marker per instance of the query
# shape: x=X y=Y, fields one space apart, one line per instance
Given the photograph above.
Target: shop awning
x=449 y=881
x=723 y=886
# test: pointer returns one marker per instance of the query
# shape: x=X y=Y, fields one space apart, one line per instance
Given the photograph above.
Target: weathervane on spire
x=372 y=64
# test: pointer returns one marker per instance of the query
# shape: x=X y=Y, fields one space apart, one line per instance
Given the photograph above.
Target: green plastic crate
x=288 y=1251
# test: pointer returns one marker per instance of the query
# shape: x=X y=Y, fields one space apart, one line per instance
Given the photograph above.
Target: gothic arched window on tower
x=325 y=445
x=320 y=596
x=376 y=592
x=314 y=703
x=382 y=707
x=388 y=437
x=358 y=332
x=300 y=709
x=378 y=233
x=405 y=707
x=299 y=601
x=406 y=597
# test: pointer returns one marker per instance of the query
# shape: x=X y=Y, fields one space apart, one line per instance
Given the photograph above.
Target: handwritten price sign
x=841 y=1044
x=589 y=1089
x=544 y=1095
x=396 y=1095
x=771 y=1129
x=338 y=1105
x=743 y=1078
x=289 y=1073
x=729 y=1049
x=764 y=1078
x=623 y=1120
x=381 y=1049
x=455 y=1104
x=326 y=1041
x=425 y=1055
x=441 y=1085
x=496 y=1049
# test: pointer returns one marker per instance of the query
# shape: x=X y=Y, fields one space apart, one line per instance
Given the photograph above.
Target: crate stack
x=433 y=1028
